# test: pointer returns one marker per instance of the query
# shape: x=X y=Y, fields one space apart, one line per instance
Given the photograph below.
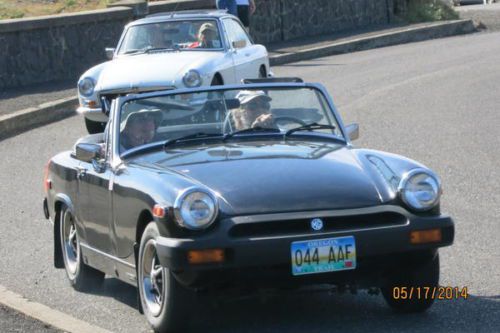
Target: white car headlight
x=420 y=190
x=195 y=209
x=192 y=79
x=86 y=87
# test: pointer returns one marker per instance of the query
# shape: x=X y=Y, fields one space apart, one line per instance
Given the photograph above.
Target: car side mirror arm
x=352 y=131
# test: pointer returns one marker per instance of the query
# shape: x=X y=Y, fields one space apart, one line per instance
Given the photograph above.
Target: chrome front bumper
x=92 y=114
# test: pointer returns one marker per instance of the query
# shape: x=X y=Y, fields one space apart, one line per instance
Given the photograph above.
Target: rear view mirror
x=87 y=152
x=239 y=44
x=110 y=52
x=352 y=131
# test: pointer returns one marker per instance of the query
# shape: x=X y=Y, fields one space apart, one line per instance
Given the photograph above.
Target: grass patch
x=10 y=9
x=429 y=10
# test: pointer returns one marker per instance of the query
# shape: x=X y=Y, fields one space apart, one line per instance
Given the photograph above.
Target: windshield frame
x=122 y=100
x=209 y=18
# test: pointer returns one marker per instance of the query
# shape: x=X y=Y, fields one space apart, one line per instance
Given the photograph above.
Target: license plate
x=323 y=255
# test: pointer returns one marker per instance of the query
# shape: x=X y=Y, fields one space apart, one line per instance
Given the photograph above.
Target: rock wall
x=277 y=20
x=61 y=47
x=45 y=49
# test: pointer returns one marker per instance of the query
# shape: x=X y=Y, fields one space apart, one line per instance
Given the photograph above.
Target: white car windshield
x=226 y=114
x=185 y=35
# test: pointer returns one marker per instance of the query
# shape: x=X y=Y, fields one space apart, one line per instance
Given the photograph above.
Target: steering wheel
x=226 y=127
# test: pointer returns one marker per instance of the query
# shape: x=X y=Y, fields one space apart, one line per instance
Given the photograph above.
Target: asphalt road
x=435 y=101
x=14 y=322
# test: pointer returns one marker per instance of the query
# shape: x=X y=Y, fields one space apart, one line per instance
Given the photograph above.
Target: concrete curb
x=411 y=34
x=43 y=313
x=23 y=120
x=46 y=113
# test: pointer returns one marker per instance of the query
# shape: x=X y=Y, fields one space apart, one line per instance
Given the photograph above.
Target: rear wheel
x=80 y=276
x=164 y=301
x=94 y=127
x=405 y=290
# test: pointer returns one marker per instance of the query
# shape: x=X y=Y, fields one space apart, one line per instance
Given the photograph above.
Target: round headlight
x=86 y=87
x=420 y=190
x=195 y=209
x=192 y=79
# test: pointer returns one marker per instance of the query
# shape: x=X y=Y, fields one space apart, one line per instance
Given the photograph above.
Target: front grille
x=330 y=224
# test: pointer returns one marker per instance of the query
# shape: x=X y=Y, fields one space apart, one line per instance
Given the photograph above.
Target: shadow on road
x=322 y=312
x=348 y=313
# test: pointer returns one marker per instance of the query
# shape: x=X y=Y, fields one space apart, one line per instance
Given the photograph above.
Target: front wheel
x=164 y=301
x=406 y=290
x=80 y=276
x=262 y=72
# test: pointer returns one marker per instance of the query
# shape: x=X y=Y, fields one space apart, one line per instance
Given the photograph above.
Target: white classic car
x=184 y=49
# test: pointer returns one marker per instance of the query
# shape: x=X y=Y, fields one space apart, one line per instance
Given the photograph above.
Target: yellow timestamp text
x=444 y=293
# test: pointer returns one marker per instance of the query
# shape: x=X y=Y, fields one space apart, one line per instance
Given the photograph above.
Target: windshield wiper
x=153 y=49
x=147 y=50
x=199 y=135
x=256 y=129
x=309 y=127
x=133 y=51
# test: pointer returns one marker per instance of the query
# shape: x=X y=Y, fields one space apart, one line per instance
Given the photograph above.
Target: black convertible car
x=254 y=184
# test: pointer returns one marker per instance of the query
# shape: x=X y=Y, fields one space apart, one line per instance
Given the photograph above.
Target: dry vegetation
x=27 y=8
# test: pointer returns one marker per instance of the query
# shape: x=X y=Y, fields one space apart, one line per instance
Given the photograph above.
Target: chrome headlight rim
x=185 y=78
x=407 y=178
x=81 y=88
x=181 y=197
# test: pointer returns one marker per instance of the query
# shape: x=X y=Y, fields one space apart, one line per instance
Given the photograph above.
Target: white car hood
x=152 y=70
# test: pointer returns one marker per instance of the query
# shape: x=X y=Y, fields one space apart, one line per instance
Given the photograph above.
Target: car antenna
x=175 y=9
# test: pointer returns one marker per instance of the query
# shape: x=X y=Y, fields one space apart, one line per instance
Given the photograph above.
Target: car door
x=245 y=59
x=93 y=208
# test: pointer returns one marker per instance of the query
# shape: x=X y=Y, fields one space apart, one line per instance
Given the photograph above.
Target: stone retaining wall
x=51 y=48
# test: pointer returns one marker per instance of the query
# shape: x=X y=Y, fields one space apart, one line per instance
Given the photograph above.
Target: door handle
x=80 y=172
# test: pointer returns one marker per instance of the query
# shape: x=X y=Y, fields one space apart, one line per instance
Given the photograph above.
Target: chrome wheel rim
x=71 y=248
x=153 y=279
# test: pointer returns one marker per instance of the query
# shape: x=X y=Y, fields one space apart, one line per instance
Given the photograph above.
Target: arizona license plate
x=323 y=255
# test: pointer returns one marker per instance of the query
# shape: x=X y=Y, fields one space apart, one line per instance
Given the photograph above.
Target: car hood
x=151 y=70
x=265 y=178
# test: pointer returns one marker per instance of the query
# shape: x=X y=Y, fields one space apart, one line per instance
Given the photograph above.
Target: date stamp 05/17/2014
x=441 y=293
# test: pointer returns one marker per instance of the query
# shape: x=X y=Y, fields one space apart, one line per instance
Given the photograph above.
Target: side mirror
x=110 y=52
x=352 y=131
x=239 y=44
x=87 y=152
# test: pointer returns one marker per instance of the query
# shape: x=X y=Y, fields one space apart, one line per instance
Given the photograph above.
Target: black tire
x=94 y=127
x=81 y=276
x=418 y=277
x=217 y=81
x=164 y=301
x=262 y=72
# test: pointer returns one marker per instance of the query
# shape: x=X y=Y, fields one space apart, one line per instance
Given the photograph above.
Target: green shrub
x=429 y=10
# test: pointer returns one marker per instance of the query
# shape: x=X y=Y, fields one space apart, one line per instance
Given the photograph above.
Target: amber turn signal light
x=425 y=236
x=206 y=256
x=158 y=211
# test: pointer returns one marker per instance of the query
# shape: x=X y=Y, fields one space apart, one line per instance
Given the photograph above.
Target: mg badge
x=316 y=224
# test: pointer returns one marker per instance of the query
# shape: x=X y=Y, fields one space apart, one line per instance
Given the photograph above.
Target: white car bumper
x=92 y=114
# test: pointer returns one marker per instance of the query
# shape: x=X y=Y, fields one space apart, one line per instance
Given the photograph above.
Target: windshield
x=226 y=114
x=186 y=35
